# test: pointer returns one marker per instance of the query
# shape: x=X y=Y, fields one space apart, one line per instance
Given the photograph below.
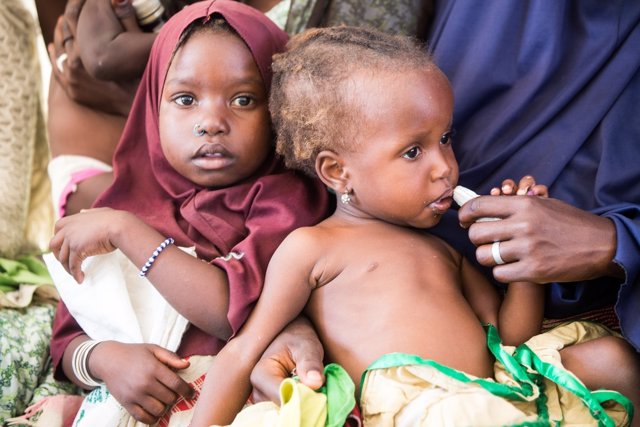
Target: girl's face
x=214 y=82
x=402 y=169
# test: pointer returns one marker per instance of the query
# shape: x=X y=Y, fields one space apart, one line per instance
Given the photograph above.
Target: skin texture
x=368 y=259
x=202 y=296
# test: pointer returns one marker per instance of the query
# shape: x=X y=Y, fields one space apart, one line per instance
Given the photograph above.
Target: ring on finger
x=495 y=252
x=60 y=61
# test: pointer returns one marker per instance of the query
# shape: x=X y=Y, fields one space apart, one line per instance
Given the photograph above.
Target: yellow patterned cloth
x=424 y=395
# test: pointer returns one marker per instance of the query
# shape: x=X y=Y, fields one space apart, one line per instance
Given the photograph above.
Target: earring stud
x=345 y=197
x=198 y=130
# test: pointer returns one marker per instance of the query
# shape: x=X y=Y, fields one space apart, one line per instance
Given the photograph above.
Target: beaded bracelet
x=148 y=264
x=79 y=363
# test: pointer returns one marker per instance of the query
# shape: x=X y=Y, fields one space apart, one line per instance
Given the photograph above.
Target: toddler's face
x=403 y=169
x=214 y=82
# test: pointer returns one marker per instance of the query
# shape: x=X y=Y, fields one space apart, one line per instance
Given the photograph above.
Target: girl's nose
x=211 y=124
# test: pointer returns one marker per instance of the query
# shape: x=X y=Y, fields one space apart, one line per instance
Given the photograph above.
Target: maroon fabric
x=251 y=218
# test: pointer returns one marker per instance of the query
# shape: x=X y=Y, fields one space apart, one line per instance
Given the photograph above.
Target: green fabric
x=26 y=270
x=340 y=392
x=25 y=367
x=592 y=399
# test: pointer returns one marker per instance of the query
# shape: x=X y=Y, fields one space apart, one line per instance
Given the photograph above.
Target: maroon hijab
x=250 y=218
x=145 y=183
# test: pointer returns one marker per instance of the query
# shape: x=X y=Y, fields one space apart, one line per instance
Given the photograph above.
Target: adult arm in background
x=86 y=116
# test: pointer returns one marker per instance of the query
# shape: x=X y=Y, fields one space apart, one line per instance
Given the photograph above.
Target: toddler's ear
x=331 y=170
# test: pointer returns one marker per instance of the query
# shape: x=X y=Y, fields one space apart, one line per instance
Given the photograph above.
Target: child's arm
x=522 y=309
x=112 y=48
x=287 y=288
x=518 y=317
x=521 y=312
x=196 y=289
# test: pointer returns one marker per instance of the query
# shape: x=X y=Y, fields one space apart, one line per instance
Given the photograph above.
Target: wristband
x=148 y=264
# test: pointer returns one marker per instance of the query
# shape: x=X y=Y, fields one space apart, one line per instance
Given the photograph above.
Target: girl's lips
x=212 y=161
x=440 y=206
x=212 y=156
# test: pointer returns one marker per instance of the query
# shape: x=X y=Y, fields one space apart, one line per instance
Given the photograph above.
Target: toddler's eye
x=184 y=100
x=242 y=101
x=447 y=137
x=412 y=153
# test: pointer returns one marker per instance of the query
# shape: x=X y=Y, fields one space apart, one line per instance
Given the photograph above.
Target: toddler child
x=195 y=168
x=401 y=311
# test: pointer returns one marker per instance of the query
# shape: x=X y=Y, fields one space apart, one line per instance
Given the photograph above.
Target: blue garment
x=551 y=89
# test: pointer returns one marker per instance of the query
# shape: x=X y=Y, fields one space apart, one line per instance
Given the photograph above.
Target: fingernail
x=314 y=375
x=522 y=191
x=507 y=189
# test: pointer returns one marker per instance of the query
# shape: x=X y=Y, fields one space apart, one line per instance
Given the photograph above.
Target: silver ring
x=60 y=61
x=495 y=252
x=198 y=130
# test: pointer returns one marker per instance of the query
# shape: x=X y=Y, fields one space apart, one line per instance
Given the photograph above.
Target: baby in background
x=400 y=310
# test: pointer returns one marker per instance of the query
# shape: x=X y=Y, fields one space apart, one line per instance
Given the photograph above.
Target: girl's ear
x=331 y=171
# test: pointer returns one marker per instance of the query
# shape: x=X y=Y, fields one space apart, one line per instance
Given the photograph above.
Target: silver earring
x=198 y=130
x=345 y=198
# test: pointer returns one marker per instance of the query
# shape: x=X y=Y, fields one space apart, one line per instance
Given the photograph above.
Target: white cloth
x=62 y=169
x=115 y=303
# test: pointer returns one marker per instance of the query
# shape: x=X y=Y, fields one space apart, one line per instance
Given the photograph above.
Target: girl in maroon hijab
x=195 y=168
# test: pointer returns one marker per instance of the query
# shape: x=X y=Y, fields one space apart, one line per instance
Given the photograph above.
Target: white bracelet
x=79 y=363
x=154 y=255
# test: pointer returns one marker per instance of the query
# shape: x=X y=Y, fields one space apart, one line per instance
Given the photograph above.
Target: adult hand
x=296 y=348
x=141 y=377
x=88 y=233
x=541 y=240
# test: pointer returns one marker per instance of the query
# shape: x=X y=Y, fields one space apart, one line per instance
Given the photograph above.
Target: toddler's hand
x=526 y=187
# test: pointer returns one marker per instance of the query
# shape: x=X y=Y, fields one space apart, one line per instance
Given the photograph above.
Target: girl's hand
x=141 y=377
x=88 y=233
x=526 y=187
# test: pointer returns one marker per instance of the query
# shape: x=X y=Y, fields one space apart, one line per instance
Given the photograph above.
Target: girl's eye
x=184 y=100
x=412 y=153
x=447 y=137
x=242 y=101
